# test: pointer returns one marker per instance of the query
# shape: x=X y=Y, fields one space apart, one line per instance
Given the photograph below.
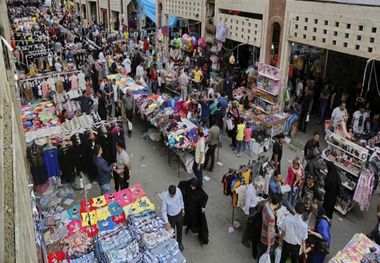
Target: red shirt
x=146 y=45
x=153 y=74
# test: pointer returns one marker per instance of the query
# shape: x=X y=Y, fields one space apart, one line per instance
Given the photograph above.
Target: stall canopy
x=148 y=7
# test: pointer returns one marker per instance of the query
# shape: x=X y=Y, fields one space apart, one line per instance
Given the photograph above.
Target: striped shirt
x=268 y=230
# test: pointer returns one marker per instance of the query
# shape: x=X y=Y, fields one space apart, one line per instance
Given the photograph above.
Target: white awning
x=357 y=2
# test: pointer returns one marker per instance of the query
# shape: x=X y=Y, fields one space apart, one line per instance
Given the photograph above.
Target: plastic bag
x=277 y=255
x=130 y=126
x=265 y=258
x=307 y=118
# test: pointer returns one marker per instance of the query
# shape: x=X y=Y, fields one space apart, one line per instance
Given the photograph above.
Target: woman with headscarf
x=234 y=114
x=332 y=184
x=195 y=200
x=323 y=238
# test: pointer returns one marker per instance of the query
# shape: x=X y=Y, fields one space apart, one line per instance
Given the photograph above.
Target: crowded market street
x=163 y=131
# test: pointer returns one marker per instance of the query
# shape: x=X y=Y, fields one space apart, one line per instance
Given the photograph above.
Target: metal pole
x=325 y=67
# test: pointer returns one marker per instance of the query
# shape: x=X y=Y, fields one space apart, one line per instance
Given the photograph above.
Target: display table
x=356 y=250
x=275 y=124
x=116 y=227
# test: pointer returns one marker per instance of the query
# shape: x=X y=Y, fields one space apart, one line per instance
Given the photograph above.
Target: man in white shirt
x=140 y=70
x=359 y=120
x=199 y=158
x=183 y=84
x=173 y=211
x=299 y=87
x=127 y=65
x=293 y=235
x=250 y=199
x=339 y=114
x=58 y=66
x=123 y=166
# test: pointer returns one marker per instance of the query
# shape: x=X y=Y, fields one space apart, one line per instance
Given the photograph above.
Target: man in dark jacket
x=102 y=105
x=85 y=102
x=103 y=170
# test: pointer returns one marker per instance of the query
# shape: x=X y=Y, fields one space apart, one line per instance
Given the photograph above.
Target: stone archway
x=274 y=41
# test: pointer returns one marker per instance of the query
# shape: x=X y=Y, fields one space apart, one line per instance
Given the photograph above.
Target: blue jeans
x=197 y=86
x=239 y=145
x=248 y=145
x=293 y=196
x=198 y=174
x=288 y=124
x=206 y=121
x=105 y=188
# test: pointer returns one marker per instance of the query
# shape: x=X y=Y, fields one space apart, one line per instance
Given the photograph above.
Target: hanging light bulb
x=232 y=59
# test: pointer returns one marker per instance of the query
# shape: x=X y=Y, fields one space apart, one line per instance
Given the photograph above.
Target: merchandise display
x=39 y=115
x=351 y=161
x=39 y=119
x=118 y=227
x=266 y=89
x=275 y=123
x=127 y=83
x=168 y=116
x=359 y=249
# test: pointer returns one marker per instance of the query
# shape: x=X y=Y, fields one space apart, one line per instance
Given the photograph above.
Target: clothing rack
x=43 y=54
x=50 y=75
x=250 y=165
x=239 y=171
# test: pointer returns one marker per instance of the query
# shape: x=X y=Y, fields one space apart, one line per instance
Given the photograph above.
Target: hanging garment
x=36 y=161
x=67 y=84
x=363 y=192
x=28 y=91
x=51 y=162
x=74 y=82
x=82 y=81
x=59 y=85
x=45 y=89
x=51 y=83
x=66 y=162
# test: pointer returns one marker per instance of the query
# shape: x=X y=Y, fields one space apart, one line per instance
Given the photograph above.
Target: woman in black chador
x=195 y=200
x=332 y=186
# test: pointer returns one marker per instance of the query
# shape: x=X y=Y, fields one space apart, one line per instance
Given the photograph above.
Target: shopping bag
x=130 y=126
x=265 y=258
x=277 y=255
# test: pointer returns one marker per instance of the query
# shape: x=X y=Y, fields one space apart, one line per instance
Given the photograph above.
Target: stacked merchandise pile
x=359 y=249
x=164 y=113
x=116 y=227
x=127 y=83
x=39 y=119
x=39 y=115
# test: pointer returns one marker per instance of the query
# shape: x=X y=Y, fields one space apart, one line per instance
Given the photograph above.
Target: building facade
x=195 y=12
x=111 y=13
x=355 y=31
x=254 y=22
x=17 y=236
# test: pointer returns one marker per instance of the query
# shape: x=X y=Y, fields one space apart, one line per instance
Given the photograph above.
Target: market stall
x=266 y=102
x=355 y=169
x=169 y=117
x=359 y=249
x=126 y=83
x=116 y=227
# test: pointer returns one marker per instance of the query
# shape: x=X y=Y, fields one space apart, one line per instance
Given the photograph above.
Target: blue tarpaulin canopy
x=148 y=7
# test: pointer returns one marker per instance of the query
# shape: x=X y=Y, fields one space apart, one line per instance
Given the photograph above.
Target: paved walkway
x=150 y=168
